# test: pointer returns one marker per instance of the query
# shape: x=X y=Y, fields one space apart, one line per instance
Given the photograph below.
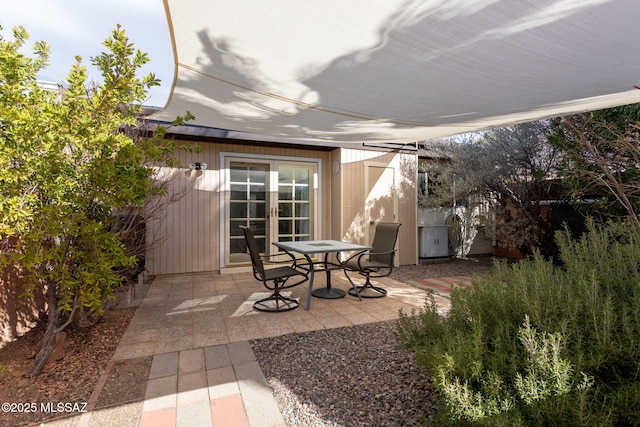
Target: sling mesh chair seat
x=376 y=263
x=274 y=279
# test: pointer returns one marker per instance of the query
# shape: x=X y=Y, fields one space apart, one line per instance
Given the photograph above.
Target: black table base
x=328 y=293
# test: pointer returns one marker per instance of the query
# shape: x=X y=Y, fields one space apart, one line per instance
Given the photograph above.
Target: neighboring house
x=460 y=229
x=283 y=191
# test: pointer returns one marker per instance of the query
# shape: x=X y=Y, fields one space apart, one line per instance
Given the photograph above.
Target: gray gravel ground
x=457 y=267
x=355 y=376
x=346 y=377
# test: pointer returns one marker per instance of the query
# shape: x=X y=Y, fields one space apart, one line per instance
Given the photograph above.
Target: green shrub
x=535 y=344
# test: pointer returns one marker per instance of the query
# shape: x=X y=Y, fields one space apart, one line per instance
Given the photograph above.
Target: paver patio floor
x=197 y=327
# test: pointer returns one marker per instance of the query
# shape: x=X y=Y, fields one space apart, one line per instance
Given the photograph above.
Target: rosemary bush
x=535 y=344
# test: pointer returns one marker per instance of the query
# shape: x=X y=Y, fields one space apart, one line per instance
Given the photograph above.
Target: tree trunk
x=49 y=339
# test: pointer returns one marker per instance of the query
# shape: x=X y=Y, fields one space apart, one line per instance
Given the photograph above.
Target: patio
x=181 y=312
x=197 y=329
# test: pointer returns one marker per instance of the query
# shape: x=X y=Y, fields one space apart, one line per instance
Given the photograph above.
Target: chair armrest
x=393 y=251
x=266 y=259
x=357 y=254
x=383 y=253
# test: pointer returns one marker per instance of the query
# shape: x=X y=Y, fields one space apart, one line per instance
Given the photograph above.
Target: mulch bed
x=70 y=380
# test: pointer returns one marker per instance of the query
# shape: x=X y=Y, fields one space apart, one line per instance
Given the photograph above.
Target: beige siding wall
x=184 y=235
x=358 y=198
x=336 y=195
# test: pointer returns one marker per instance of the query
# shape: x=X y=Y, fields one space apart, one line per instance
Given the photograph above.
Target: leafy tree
x=69 y=166
x=521 y=167
x=511 y=166
x=602 y=159
x=448 y=185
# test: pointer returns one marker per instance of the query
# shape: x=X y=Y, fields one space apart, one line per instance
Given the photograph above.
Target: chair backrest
x=256 y=261
x=385 y=241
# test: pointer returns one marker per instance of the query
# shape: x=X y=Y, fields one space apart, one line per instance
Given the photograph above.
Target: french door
x=275 y=198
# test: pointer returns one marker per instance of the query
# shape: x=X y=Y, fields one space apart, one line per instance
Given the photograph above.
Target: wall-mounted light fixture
x=197 y=166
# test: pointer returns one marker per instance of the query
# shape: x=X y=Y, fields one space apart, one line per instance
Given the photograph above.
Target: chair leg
x=361 y=291
x=282 y=303
x=354 y=289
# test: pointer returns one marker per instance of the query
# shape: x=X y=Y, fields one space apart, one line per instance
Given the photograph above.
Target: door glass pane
x=285 y=210
x=257 y=210
x=285 y=175
x=302 y=192
x=302 y=226
x=257 y=174
x=238 y=246
x=285 y=192
x=259 y=228
x=285 y=228
x=238 y=209
x=294 y=193
x=252 y=199
x=248 y=206
x=257 y=192
x=302 y=176
x=302 y=209
x=237 y=174
x=238 y=192
x=234 y=228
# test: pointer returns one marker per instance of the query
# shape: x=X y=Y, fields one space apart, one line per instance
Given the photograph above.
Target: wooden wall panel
x=184 y=241
x=189 y=235
x=187 y=238
x=354 y=217
x=354 y=196
x=336 y=201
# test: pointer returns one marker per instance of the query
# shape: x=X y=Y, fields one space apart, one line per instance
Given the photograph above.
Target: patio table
x=311 y=247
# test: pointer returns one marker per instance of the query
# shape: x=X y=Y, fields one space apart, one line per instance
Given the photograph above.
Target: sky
x=78 y=27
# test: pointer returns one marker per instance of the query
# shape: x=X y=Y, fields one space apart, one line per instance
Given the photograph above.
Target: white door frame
x=273 y=161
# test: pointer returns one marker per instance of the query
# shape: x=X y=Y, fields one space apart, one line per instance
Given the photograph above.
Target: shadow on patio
x=181 y=312
x=196 y=329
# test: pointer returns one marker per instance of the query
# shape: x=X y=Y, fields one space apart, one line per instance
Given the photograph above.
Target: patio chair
x=376 y=263
x=274 y=279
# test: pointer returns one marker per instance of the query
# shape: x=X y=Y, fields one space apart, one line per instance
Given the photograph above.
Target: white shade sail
x=397 y=70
